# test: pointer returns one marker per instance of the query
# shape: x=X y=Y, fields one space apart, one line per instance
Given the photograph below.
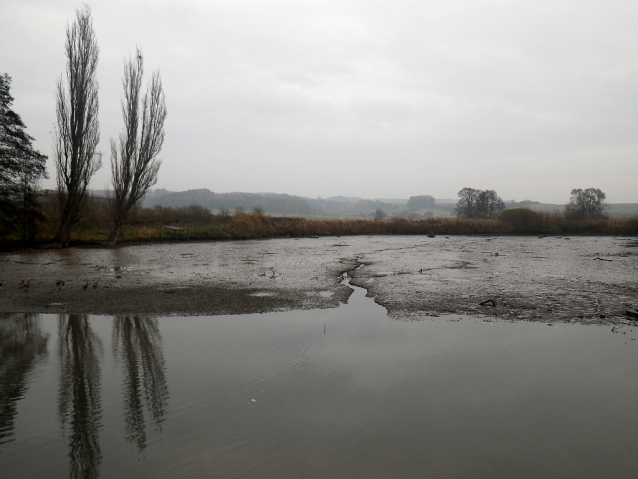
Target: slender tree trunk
x=115 y=234
x=63 y=236
x=67 y=220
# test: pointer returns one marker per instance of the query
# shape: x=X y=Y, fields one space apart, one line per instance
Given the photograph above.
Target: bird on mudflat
x=60 y=284
x=85 y=285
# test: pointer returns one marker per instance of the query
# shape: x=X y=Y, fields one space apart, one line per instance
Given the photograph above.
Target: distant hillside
x=282 y=204
x=614 y=210
x=421 y=206
x=268 y=202
x=521 y=204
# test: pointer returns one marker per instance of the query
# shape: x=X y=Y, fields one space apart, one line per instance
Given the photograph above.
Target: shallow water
x=345 y=392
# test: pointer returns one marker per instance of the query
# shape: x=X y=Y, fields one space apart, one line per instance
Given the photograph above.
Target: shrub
x=526 y=221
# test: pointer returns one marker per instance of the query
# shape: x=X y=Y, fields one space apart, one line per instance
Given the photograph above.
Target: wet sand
x=592 y=279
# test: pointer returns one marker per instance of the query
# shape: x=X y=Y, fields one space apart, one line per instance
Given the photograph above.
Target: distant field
x=438 y=213
x=623 y=210
x=615 y=210
x=547 y=207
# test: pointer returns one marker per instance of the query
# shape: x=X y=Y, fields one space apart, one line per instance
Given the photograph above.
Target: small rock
x=488 y=302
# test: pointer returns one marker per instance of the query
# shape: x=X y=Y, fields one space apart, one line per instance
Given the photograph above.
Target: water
x=334 y=393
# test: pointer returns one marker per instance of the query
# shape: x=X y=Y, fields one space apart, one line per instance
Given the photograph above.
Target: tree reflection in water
x=137 y=344
x=22 y=346
x=79 y=394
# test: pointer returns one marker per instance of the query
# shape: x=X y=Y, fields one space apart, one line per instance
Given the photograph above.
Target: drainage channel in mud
x=344 y=392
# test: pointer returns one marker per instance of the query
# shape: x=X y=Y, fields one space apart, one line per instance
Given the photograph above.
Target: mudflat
x=592 y=279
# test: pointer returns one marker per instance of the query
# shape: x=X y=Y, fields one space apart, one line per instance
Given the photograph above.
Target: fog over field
x=362 y=98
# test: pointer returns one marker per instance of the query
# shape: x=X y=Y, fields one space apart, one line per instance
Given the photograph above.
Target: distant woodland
x=415 y=207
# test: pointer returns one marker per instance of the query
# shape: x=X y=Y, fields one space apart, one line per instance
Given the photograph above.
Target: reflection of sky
x=529 y=98
x=502 y=396
x=429 y=389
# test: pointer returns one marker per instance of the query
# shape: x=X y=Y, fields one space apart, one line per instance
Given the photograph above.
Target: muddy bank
x=175 y=279
x=593 y=279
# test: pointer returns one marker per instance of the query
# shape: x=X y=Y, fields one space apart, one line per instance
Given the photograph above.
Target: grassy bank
x=197 y=223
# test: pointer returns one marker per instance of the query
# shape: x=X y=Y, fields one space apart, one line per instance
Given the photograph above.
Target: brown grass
x=200 y=224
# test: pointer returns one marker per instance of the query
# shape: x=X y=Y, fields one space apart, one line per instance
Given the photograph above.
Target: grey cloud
x=363 y=98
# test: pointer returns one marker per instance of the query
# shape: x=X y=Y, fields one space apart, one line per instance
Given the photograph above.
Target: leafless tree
x=478 y=204
x=466 y=206
x=588 y=203
x=77 y=134
x=489 y=204
x=134 y=162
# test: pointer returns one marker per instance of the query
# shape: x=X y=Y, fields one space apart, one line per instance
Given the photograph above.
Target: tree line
x=583 y=204
x=134 y=154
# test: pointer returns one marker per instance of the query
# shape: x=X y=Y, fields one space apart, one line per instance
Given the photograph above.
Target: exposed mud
x=175 y=279
x=591 y=279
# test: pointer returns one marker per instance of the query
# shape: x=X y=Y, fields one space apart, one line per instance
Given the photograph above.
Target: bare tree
x=588 y=203
x=478 y=204
x=489 y=204
x=134 y=162
x=77 y=134
x=466 y=206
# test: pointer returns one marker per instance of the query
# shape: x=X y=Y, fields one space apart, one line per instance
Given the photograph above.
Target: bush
x=245 y=225
x=525 y=221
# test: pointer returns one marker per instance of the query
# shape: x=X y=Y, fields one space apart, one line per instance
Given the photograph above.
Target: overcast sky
x=359 y=98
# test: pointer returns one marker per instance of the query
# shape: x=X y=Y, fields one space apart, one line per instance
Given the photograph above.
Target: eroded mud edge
x=432 y=306
x=176 y=299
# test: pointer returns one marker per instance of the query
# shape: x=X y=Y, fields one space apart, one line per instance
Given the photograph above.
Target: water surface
x=345 y=392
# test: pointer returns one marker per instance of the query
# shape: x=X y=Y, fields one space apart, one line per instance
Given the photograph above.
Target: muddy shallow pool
x=343 y=392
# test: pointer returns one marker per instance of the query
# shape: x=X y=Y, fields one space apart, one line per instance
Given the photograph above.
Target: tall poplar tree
x=78 y=130
x=134 y=162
